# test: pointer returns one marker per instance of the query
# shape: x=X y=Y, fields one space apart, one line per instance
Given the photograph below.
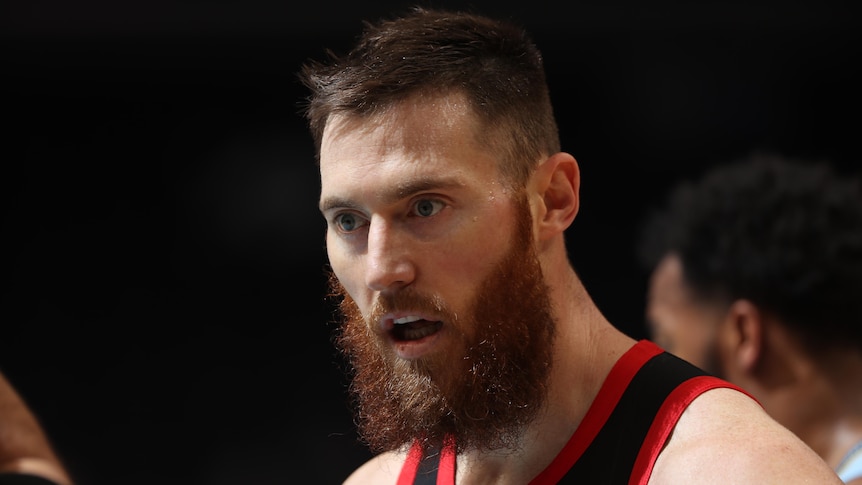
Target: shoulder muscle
x=383 y=469
x=724 y=436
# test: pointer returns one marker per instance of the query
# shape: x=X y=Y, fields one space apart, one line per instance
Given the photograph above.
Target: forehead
x=418 y=137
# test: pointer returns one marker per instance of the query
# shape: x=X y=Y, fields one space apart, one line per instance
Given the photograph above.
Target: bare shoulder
x=39 y=467
x=725 y=437
x=383 y=469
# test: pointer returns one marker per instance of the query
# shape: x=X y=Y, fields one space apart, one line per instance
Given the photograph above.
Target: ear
x=555 y=194
x=746 y=333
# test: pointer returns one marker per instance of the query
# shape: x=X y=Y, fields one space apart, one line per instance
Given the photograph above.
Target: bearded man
x=478 y=355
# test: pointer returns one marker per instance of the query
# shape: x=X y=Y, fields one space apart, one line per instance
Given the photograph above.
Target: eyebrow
x=398 y=192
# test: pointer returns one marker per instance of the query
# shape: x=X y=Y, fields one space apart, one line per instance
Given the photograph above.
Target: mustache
x=412 y=301
x=406 y=300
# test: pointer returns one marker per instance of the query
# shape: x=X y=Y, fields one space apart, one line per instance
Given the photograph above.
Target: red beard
x=483 y=392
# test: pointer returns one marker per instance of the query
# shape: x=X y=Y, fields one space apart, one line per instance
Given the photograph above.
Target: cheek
x=480 y=245
x=462 y=264
x=473 y=258
x=348 y=270
x=696 y=336
x=680 y=341
x=663 y=321
x=681 y=330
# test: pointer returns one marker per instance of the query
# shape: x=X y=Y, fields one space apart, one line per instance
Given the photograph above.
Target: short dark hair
x=437 y=52
x=785 y=234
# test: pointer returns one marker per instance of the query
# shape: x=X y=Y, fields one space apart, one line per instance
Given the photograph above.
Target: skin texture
x=480 y=370
x=756 y=276
x=378 y=168
x=811 y=396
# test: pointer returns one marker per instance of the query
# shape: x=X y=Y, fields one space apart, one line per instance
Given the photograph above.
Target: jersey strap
x=432 y=469
x=628 y=423
x=621 y=434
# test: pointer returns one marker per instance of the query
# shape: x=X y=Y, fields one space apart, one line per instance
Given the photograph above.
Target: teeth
x=401 y=321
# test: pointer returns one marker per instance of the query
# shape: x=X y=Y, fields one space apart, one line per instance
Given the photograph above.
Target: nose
x=388 y=263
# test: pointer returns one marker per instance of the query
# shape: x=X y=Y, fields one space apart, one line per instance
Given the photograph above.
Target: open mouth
x=413 y=328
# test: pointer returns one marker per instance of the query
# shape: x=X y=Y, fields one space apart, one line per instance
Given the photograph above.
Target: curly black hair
x=783 y=233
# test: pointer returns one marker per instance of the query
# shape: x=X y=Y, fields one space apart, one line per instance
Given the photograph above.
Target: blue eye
x=427 y=207
x=348 y=222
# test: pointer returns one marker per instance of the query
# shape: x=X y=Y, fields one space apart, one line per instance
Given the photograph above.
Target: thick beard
x=481 y=393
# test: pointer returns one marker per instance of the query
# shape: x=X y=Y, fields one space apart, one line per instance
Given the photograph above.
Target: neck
x=585 y=348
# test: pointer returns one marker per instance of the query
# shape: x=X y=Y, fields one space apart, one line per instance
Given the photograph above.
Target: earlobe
x=558 y=182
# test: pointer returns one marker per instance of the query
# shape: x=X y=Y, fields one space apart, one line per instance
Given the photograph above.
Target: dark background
x=162 y=298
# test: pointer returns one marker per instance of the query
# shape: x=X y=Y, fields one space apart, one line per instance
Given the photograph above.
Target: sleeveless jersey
x=622 y=433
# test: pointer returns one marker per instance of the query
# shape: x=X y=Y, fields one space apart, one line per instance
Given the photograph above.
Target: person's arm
x=24 y=445
x=726 y=437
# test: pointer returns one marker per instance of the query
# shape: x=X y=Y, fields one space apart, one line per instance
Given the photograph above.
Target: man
x=477 y=354
x=757 y=279
x=26 y=455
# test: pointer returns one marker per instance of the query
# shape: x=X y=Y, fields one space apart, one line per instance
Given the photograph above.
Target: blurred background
x=162 y=299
